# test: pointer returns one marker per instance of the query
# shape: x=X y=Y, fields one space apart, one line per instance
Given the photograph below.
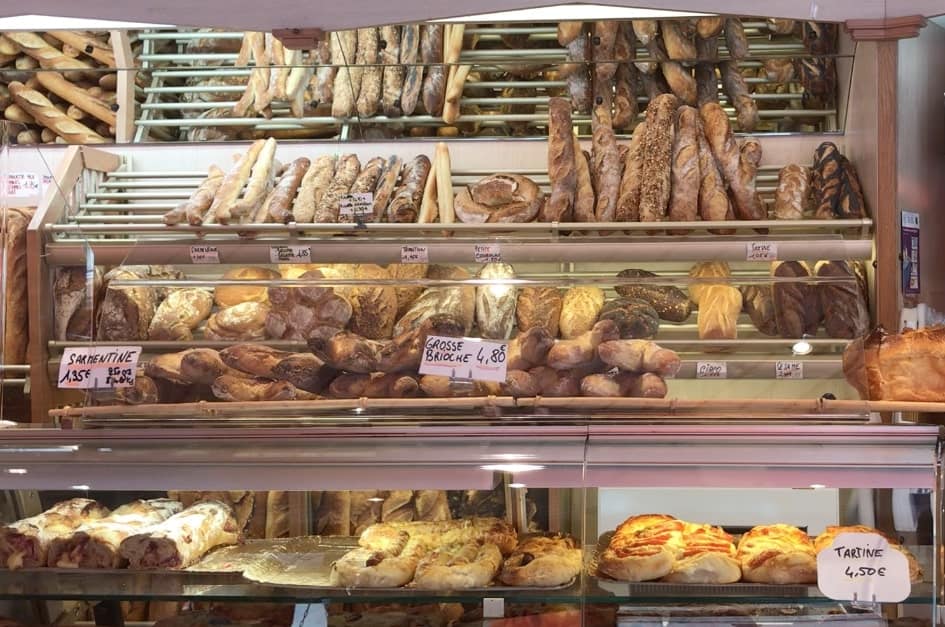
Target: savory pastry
x=670 y=303
x=182 y=539
x=391 y=567
x=543 y=562
x=539 y=307
x=229 y=295
x=25 y=543
x=497 y=531
x=906 y=366
x=708 y=557
x=458 y=567
x=580 y=310
x=499 y=198
x=495 y=304
x=643 y=548
x=779 y=554
x=824 y=540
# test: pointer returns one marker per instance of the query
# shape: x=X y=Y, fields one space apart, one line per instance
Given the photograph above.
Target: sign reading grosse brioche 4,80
x=465 y=358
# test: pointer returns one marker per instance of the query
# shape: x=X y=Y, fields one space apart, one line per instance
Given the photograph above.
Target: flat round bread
x=709 y=568
x=543 y=562
x=459 y=567
x=778 y=554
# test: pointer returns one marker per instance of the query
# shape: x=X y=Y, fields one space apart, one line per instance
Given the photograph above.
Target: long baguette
x=47 y=114
x=454 y=92
x=413 y=73
x=194 y=208
x=313 y=185
x=88 y=45
x=57 y=84
x=49 y=58
x=393 y=79
x=429 y=211
x=277 y=206
x=232 y=185
x=259 y=185
x=444 y=184
x=386 y=187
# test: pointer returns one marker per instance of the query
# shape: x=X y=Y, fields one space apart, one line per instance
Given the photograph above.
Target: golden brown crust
x=778 y=554
x=561 y=163
x=541 y=561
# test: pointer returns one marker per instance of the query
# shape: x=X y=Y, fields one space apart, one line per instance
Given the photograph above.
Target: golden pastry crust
x=708 y=557
x=543 y=562
x=459 y=566
x=374 y=568
x=488 y=530
x=779 y=554
x=643 y=548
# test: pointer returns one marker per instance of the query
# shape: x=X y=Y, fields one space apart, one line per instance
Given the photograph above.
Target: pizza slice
x=778 y=554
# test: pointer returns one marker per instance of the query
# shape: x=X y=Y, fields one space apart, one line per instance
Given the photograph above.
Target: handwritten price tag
x=711 y=370
x=863 y=567
x=91 y=367
x=465 y=358
x=414 y=254
x=356 y=207
x=789 y=370
x=290 y=254
x=761 y=251
x=204 y=254
x=487 y=253
x=23 y=184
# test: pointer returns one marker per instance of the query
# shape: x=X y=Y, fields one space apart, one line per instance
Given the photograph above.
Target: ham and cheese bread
x=95 y=544
x=542 y=561
x=441 y=533
x=778 y=554
x=708 y=557
x=25 y=543
x=182 y=539
x=458 y=567
x=824 y=540
x=643 y=548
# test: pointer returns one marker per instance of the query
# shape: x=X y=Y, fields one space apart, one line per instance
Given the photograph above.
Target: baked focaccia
x=390 y=567
x=544 y=562
x=708 y=557
x=643 y=548
x=441 y=533
x=182 y=539
x=824 y=540
x=95 y=544
x=779 y=554
x=458 y=567
x=25 y=543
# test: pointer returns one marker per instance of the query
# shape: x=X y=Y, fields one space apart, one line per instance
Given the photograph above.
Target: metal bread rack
x=172 y=107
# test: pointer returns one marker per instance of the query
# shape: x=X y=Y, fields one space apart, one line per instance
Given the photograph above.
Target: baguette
x=393 y=79
x=578 y=76
x=344 y=45
x=735 y=38
x=405 y=205
x=707 y=84
x=718 y=132
x=686 y=176
x=386 y=187
x=747 y=201
x=258 y=186
x=454 y=92
x=709 y=27
x=655 y=186
x=279 y=72
x=312 y=187
x=369 y=97
x=325 y=74
x=628 y=204
x=329 y=204
x=86 y=44
x=736 y=89
x=232 y=185
x=366 y=182
x=605 y=37
x=646 y=30
x=194 y=208
x=559 y=207
x=714 y=204
x=57 y=84
x=444 y=184
x=569 y=31
x=625 y=43
x=434 y=83
x=262 y=47
x=680 y=82
x=300 y=76
x=429 y=211
x=625 y=96
x=16 y=113
x=679 y=47
x=277 y=206
x=606 y=161
x=47 y=114
x=16 y=316
x=50 y=58
x=413 y=72
x=584 y=189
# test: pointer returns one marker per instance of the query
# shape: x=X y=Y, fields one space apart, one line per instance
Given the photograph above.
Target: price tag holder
x=863 y=567
x=789 y=370
x=290 y=254
x=711 y=370
x=93 y=367
x=465 y=358
x=310 y=615
x=487 y=253
x=414 y=254
x=23 y=184
x=761 y=251
x=204 y=254
x=356 y=207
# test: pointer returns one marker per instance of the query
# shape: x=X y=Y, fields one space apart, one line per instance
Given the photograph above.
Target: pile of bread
x=455 y=555
x=652 y=547
x=59 y=86
x=905 y=366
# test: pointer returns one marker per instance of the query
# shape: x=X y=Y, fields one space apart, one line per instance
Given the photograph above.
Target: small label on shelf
x=487 y=253
x=863 y=567
x=493 y=607
x=357 y=207
x=464 y=358
x=761 y=251
x=310 y=615
x=711 y=370
x=204 y=254
x=92 y=367
x=414 y=254
x=22 y=184
x=789 y=370
x=290 y=254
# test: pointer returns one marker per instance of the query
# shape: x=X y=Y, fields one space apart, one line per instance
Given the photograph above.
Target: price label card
x=290 y=254
x=711 y=370
x=863 y=567
x=789 y=370
x=414 y=254
x=761 y=251
x=356 y=207
x=47 y=181
x=487 y=253
x=204 y=254
x=465 y=358
x=91 y=367
x=310 y=615
x=23 y=184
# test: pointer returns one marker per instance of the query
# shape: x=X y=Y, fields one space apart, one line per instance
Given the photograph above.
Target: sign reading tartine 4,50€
x=464 y=358
x=863 y=567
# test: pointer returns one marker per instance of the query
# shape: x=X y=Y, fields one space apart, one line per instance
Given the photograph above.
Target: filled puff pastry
x=25 y=543
x=182 y=539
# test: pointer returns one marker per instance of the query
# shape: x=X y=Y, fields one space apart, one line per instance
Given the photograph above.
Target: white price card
x=863 y=567
x=790 y=369
x=414 y=254
x=47 y=181
x=356 y=207
x=310 y=615
x=711 y=370
x=204 y=254
x=465 y=358
x=487 y=253
x=91 y=367
x=290 y=254
x=761 y=251
x=22 y=184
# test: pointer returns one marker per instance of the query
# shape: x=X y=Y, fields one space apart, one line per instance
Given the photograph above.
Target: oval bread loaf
x=580 y=310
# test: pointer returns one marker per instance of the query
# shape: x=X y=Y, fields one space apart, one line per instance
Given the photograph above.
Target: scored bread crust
x=778 y=554
x=457 y=567
x=542 y=562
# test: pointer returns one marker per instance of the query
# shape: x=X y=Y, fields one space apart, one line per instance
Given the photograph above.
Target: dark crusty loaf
x=670 y=303
x=845 y=312
x=797 y=306
x=758 y=302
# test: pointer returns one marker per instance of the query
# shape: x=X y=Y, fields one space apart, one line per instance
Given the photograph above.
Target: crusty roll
x=657 y=170
x=561 y=163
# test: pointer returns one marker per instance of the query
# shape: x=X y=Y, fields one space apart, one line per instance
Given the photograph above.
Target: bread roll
x=229 y=295
x=714 y=204
x=679 y=45
x=625 y=96
x=495 y=304
x=579 y=310
x=278 y=205
x=539 y=307
x=792 y=197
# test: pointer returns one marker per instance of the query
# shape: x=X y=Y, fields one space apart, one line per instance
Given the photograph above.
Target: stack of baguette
x=59 y=86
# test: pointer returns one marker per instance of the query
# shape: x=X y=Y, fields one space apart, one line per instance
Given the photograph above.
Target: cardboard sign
x=290 y=254
x=711 y=370
x=465 y=358
x=357 y=207
x=94 y=367
x=414 y=254
x=487 y=253
x=761 y=251
x=204 y=254
x=863 y=567
x=22 y=184
x=789 y=370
